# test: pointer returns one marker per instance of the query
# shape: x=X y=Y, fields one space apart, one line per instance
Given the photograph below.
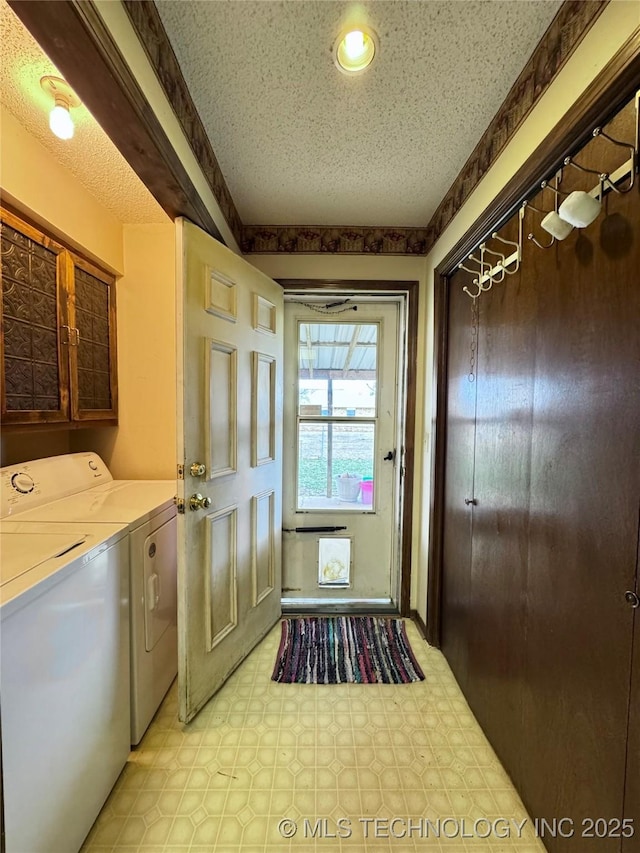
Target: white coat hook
x=514 y=258
x=461 y=266
x=487 y=271
x=546 y=185
x=475 y=281
x=603 y=177
x=531 y=236
x=598 y=131
x=499 y=265
x=474 y=296
x=486 y=279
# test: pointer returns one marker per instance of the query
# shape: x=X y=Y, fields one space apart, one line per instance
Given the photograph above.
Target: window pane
x=335 y=465
x=337 y=369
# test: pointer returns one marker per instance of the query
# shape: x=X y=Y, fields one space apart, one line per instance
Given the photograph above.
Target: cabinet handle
x=67 y=334
x=471 y=501
x=76 y=337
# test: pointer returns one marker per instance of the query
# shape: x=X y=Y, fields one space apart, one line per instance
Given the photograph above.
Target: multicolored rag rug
x=339 y=649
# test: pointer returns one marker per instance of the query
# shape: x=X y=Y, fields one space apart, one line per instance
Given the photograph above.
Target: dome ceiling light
x=64 y=98
x=355 y=49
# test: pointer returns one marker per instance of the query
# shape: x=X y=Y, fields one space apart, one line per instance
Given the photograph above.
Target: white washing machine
x=64 y=678
x=78 y=487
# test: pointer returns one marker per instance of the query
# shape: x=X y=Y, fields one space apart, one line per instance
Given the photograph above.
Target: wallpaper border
x=564 y=34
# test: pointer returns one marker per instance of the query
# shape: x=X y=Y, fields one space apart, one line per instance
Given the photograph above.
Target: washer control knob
x=22 y=483
x=93 y=465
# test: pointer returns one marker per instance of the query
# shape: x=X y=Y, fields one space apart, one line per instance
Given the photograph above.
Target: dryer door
x=160 y=556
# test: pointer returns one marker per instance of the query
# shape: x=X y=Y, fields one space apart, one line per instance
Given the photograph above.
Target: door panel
x=536 y=626
x=461 y=413
x=499 y=565
x=230 y=420
x=632 y=790
x=342 y=392
x=585 y=483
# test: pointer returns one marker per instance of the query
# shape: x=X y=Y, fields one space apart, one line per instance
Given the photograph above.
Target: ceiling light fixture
x=355 y=49
x=64 y=98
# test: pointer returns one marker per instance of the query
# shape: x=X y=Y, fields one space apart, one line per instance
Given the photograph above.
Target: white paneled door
x=230 y=338
x=343 y=453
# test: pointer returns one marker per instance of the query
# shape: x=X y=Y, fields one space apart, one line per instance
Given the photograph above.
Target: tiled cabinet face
x=58 y=332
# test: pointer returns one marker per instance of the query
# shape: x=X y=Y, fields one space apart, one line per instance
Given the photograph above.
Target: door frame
x=411 y=291
x=616 y=84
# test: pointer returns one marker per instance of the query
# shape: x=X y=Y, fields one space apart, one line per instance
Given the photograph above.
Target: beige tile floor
x=351 y=767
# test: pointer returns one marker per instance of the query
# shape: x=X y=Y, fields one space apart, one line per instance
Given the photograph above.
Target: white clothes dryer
x=64 y=678
x=78 y=487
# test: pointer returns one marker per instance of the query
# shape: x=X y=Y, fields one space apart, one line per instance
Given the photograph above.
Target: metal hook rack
x=487 y=273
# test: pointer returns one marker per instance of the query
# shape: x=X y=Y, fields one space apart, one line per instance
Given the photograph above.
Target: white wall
x=143 y=445
x=39 y=187
x=614 y=26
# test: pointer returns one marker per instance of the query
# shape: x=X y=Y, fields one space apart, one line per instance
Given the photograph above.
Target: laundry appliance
x=78 y=488
x=64 y=677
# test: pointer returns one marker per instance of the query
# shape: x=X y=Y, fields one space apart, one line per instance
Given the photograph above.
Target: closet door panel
x=497 y=618
x=632 y=790
x=461 y=402
x=585 y=482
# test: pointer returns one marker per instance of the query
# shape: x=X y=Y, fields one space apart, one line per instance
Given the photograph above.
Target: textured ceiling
x=90 y=155
x=300 y=143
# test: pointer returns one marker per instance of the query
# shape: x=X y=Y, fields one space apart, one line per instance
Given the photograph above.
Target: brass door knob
x=197 y=469
x=197 y=501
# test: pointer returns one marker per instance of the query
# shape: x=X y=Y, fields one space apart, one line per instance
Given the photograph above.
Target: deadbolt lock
x=197 y=469
x=197 y=501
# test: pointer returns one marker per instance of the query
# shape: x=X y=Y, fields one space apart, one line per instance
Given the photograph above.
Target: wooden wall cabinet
x=58 y=341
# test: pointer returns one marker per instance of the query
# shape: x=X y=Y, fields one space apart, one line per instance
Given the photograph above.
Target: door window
x=337 y=415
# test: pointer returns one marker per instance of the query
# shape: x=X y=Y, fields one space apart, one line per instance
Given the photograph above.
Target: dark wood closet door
x=461 y=403
x=632 y=791
x=504 y=413
x=585 y=484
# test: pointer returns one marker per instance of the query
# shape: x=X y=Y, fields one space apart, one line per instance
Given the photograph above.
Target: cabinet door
x=33 y=346
x=93 y=344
